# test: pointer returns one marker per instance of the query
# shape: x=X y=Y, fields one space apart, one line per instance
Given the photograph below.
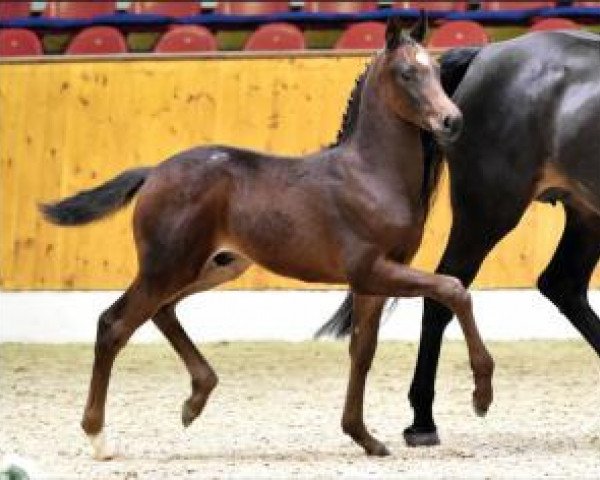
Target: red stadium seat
x=585 y=4
x=171 y=9
x=442 y=6
x=252 y=8
x=18 y=42
x=78 y=9
x=460 y=33
x=188 y=38
x=276 y=36
x=515 y=5
x=368 y=35
x=97 y=40
x=554 y=24
x=339 y=7
x=14 y=10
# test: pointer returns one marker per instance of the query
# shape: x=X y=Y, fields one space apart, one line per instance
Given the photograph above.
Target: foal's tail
x=454 y=65
x=91 y=205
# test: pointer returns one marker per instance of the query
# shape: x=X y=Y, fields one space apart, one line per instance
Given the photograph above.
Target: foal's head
x=410 y=81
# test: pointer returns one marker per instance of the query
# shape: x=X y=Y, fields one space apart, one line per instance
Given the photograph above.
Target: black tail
x=90 y=205
x=454 y=64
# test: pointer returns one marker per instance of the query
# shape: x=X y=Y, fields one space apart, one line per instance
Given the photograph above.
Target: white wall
x=270 y=315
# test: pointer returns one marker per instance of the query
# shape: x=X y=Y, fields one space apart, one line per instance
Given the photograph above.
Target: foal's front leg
x=392 y=279
x=363 y=342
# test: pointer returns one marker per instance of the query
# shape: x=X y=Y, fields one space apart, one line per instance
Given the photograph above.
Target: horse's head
x=411 y=82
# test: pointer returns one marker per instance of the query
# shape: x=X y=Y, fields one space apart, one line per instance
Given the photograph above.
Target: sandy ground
x=276 y=411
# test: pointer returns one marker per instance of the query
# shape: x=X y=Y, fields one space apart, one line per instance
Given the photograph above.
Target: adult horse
x=531 y=109
x=205 y=215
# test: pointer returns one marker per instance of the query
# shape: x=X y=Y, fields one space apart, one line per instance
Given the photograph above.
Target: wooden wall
x=72 y=124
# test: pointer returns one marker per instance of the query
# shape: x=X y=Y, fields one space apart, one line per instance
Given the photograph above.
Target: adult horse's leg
x=204 y=378
x=363 y=342
x=115 y=327
x=566 y=279
x=470 y=242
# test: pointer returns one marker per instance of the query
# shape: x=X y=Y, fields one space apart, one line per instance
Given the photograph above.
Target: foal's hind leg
x=566 y=279
x=204 y=379
x=363 y=342
x=115 y=327
x=221 y=268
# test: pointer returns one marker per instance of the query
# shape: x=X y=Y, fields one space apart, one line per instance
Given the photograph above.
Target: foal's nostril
x=452 y=125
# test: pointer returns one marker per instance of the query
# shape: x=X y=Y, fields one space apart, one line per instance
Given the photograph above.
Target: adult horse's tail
x=454 y=65
x=90 y=205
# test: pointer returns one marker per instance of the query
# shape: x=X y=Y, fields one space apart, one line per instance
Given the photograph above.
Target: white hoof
x=104 y=449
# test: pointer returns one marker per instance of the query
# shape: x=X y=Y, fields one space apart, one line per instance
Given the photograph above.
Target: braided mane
x=351 y=112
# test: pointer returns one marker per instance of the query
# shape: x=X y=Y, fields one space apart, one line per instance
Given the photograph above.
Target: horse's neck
x=385 y=141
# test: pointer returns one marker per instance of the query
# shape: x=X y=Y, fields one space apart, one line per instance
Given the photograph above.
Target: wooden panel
x=68 y=126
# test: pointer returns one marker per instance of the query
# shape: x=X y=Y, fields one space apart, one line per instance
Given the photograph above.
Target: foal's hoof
x=479 y=409
x=104 y=448
x=481 y=403
x=378 y=449
x=188 y=414
x=414 y=438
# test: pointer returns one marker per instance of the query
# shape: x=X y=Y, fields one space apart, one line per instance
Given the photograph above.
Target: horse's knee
x=456 y=296
x=109 y=336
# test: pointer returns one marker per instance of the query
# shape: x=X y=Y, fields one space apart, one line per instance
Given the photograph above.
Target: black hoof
x=414 y=438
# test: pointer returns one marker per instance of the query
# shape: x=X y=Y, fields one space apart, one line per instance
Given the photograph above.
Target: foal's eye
x=406 y=73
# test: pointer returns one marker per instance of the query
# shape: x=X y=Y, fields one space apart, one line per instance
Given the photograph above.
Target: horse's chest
x=386 y=218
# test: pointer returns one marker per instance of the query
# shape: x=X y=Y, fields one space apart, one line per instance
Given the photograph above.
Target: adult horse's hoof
x=414 y=438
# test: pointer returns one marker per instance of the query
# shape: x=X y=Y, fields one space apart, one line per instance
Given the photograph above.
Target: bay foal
x=351 y=214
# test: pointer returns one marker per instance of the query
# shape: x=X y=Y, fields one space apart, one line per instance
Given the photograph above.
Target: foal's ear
x=419 y=31
x=393 y=33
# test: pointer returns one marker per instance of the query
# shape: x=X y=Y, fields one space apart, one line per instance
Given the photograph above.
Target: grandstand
x=111 y=27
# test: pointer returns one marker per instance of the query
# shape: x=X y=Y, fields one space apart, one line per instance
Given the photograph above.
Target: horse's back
x=534 y=100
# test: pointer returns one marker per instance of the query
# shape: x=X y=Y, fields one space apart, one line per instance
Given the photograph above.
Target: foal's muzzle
x=451 y=128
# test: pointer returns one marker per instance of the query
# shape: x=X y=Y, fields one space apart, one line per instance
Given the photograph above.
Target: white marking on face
x=103 y=449
x=217 y=156
x=422 y=57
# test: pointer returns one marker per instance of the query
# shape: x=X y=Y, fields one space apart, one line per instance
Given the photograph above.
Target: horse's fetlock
x=205 y=384
x=483 y=365
x=351 y=428
x=91 y=424
x=420 y=396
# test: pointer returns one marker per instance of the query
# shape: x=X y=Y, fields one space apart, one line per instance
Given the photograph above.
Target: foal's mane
x=350 y=116
x=432 y=154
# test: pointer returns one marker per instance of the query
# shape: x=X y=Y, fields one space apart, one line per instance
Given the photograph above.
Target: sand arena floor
x=276 y=412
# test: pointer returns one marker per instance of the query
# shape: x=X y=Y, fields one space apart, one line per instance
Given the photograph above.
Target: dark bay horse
x=351 y=214
x=531 y=109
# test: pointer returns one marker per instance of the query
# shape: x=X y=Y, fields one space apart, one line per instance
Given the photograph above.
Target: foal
x=351 y=214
